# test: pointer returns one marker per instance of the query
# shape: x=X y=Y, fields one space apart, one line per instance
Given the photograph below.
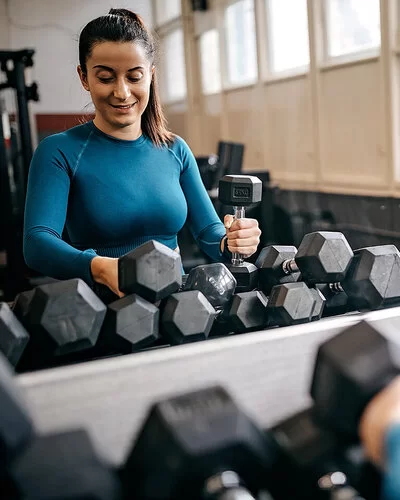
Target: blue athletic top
x=391 y=478
x=111 y=195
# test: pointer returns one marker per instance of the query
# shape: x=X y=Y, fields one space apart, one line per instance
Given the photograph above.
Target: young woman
x=123 y=178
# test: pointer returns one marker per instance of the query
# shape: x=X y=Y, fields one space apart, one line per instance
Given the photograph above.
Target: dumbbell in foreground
x=241 y=191
x=350 y=369
x=315 y=462
x=199 y=446
x=61 y=466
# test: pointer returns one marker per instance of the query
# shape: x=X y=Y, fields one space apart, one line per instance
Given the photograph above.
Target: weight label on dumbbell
x=241 y=192
x=204 y=403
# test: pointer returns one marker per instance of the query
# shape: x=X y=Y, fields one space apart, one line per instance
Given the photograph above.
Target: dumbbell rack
x=267 y=372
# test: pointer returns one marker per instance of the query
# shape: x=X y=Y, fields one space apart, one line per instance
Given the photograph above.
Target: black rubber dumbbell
x=13 y=335
x=210 y=449
x=186 y=316
x=21 y=304
x=133 y=323
x=287 y=305
x=53 y=467
x=151 y=270
x=350 y=369
x=322 y=257
x=241 y=191
x=292 y=304
x=315 y=461
x=371 y=282
x=62 y=466
x=61 y=317
x=16 y=426
x=64 y=317
x=215 y=281
x=147 y=274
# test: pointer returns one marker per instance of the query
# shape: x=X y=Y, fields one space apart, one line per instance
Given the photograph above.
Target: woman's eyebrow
x=101 y=66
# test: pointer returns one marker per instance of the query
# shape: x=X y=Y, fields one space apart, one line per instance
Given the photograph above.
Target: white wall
x=52 y=27
x=4 y=33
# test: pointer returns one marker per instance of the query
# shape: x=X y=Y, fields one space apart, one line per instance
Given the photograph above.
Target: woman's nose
x=121 y=91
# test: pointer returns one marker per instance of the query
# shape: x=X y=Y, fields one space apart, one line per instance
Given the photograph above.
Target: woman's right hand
x=105 y=271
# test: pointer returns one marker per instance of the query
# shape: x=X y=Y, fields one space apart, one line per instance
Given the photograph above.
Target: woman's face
x=118 y=79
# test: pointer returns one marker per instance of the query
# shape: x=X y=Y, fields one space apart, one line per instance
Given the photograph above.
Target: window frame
x=227 y=85
x=363 y=55
x=273 y=76
x=198 y=43
x=169 y=21
x=163 y=34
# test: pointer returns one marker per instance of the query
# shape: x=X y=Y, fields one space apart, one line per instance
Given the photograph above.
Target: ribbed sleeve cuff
x=84 y=263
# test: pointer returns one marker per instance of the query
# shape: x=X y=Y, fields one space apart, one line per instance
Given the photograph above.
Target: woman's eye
x=105 y=80
x=135 y=78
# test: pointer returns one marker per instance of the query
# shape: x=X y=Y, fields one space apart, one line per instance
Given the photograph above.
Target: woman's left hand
x=243 y=235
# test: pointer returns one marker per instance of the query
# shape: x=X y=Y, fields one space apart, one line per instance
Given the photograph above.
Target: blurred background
x=303 y=94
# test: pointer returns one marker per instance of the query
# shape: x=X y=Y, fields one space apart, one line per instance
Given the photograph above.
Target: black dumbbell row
x=66 y=324
x=201 y=445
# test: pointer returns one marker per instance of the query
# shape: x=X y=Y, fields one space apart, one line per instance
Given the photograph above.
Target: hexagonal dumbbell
x=319 y=305
x=151 y=270
x=55 y=466
x=241 y=191
x=13 y=336
x=292 y=304
x=288 y=304
x=245 y=312
x=187 y=317
x=21 y=304
x=322 y=257
x=16 y=427
x=372 y=282
x=60 y=466
x=216 y=448
x=131 y=324
x=63 y=317
x=350 y=369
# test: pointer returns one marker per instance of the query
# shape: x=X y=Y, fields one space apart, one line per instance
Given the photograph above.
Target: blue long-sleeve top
x=111 y=196
x=391 y=477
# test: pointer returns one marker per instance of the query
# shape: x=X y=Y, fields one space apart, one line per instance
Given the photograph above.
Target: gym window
x=287 y=28
x=209 y=62
x=352 y=28
x=166 y=10
x=240 y=41
x=174 y=67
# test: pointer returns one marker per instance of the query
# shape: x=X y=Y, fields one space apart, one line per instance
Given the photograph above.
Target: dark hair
x=123 y=25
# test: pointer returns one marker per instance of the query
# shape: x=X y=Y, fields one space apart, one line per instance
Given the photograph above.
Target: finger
x=244 y=223
x=245 y=251
x=253 y=232
x=242 y=242
x=228 y=220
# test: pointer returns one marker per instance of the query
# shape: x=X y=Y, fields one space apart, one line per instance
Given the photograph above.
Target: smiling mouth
x=126 y=106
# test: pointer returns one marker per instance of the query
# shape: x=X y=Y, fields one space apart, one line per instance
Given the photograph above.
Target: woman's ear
x=83 y=78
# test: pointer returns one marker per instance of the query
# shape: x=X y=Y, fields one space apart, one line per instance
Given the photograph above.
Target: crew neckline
x=121 y=142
